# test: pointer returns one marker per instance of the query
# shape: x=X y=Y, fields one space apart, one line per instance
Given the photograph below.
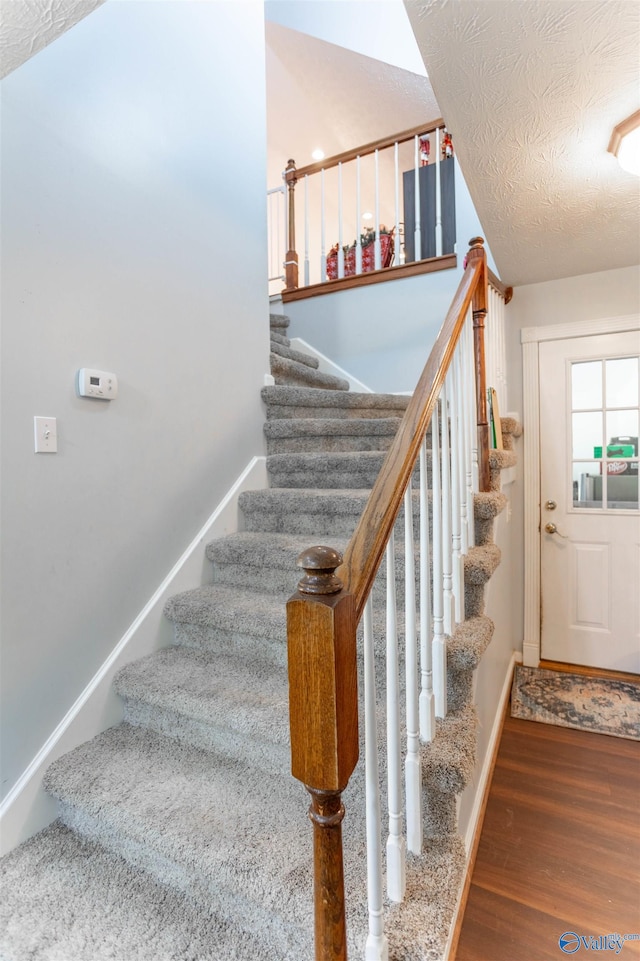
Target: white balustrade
x=340 y=235
x=306 y=230
x=412 y=764
x=427 y=700
x=438 y=195
x=377 y=948
x=457 y=583
x=358 y=220
x=377 y=249
x=323 y=227
x=447 y=546
x=396 y=845
x=418 y=230
x=439 y=653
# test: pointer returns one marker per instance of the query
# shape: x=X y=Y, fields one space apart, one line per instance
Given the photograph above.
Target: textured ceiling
x=26 y=26
x=322 y=95
x=531 y=92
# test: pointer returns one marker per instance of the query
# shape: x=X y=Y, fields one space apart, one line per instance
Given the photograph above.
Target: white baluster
x=438 y=197
x=474 y=411
x=306 y=230
x=447 y=559
x=439 y=648
x=396 y=846
x=471 y=431
x=417 y=232
x=427 y=701
x=323 y=245
x=340 y=250
x=456 y=537
x=462 y=452
x=413 y=763
x=396 y=167
x=468 y=382
x=377 y=948
x=358 y=220
x=377 y=255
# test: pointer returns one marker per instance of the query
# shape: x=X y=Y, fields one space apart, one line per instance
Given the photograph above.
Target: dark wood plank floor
x=559 y=849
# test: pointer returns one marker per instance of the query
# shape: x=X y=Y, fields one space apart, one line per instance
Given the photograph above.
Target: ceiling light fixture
x=367 y=216
x=318 y=154
x=625 y=143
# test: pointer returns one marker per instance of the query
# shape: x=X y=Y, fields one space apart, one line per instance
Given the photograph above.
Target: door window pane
x=622 y=488
x=587 y=435
x=622 y=431
x=586 y=385
x=587 y=485
x=622 y=382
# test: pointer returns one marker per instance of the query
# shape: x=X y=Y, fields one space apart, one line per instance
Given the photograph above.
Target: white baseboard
x=327 y=366
x=483 y=779
x=26 y=808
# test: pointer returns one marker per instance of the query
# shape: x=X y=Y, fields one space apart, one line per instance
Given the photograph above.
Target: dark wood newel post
x=291 y=263
x=323 y=718
x=479 y=308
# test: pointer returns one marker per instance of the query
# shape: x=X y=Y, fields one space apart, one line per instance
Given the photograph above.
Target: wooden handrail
x=496 y=283
x=322 y=616
x=364 y=553
x=369 y=148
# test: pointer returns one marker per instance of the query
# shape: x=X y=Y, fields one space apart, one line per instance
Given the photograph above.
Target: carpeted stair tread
x=279 y=322
x=487 y=506
x=209 y=827
x=65 y=898
x=281 y=339
x=449 y=760
x=286 y=401
x=468 y=643
x=202 y=823
x=288 y=371
x=480 y=563
x=315 y=512
x=228 y=607
x=290 y=353
x=221 y=702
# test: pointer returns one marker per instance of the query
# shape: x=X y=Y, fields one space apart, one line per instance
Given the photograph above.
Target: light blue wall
x=134 y=240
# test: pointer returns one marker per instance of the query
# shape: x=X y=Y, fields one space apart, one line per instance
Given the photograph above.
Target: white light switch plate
x=45 y=435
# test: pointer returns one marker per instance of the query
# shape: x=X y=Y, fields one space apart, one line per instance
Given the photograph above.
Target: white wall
x=134 y=239
x=383 y=333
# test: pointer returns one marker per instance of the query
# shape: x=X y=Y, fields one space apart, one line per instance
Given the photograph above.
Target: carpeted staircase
x=181 y=834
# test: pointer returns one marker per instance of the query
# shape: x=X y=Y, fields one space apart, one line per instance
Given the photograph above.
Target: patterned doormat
x=578 y=701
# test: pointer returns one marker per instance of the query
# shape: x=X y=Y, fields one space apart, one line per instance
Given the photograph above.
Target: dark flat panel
x=427 y=186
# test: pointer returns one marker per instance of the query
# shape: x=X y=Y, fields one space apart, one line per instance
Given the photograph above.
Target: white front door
x=589 y=517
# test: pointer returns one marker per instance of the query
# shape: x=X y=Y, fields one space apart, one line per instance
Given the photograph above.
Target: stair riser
x=290 y=411
x=339 y=444
x=278 y=338
x=260 y=753
x=219 y=639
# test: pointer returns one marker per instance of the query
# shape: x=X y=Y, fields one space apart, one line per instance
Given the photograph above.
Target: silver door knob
x=551 y=505
x=550 y=528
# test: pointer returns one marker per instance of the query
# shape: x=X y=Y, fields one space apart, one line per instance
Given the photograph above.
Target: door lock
x=552 y=529
x=551 y=505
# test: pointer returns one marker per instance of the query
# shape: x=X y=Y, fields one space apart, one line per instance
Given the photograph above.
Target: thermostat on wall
x=97 y=383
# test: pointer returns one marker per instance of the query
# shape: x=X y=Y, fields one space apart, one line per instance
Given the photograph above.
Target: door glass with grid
x=605 y=413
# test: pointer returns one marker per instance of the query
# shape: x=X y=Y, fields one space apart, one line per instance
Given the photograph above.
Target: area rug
x=577 y=701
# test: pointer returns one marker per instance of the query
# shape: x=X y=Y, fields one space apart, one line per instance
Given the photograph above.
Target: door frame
x=531 y=337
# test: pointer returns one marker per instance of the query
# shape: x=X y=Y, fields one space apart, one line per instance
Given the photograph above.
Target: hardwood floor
x=559 y=850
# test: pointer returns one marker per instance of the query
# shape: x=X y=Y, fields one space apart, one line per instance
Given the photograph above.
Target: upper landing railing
x=386 y=205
